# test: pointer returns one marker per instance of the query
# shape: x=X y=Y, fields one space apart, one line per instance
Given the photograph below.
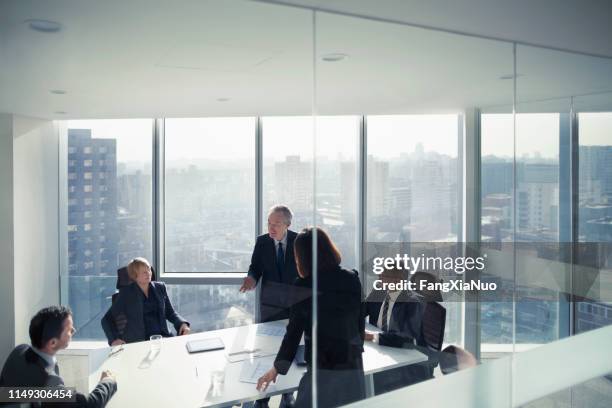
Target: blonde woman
x=144 y=306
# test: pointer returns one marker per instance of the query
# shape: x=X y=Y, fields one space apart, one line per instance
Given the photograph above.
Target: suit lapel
x=289 y=252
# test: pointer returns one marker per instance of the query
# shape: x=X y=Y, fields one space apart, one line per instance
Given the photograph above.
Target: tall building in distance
x=378 y=187
x=92 y=204
x=293 y=183
x=93 y=232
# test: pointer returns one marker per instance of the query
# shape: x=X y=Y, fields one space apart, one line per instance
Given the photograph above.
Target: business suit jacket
x=275 y=299
x=125 y=319
x=25 y=368
x=339 y=338
x=405 y=330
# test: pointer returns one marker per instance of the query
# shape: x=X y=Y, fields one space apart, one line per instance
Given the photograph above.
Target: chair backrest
x=123 y=279
x=454 y=358
x=434 y=322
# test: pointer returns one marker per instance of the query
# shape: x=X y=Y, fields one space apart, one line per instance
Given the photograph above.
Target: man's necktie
x=280 y=259
x=385 y=313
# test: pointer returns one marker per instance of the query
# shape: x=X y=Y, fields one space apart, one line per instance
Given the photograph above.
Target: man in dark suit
x=51 y=330
x=273 y=263
x=399 y=314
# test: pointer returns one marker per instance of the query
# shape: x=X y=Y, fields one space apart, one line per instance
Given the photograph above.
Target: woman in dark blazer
x=141 y=309
x=340 y=327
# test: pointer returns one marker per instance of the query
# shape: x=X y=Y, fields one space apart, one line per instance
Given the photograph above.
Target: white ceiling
x=158 y=58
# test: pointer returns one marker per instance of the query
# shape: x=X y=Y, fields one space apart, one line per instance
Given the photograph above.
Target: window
x=121 y=209
x=412 y=192
x=534 y=216
x=209 y=194
x=287 y=167
x=209 y=215
x=412 y=187
x=288 y=174
x=595 y=210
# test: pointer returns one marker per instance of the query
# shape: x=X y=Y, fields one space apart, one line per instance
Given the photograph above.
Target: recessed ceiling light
x=43 y=26
x=334 y=57
x=59 y=112
x=58 y=92
x=223 y=99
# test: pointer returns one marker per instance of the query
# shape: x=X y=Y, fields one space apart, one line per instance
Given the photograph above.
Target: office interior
x=168 y=129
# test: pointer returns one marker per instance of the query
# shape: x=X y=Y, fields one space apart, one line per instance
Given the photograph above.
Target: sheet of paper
x=371 y=328
x=271 y=330
x=252 y=369
x=234 y=358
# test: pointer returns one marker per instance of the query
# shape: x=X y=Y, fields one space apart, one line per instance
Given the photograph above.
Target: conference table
x=172 y=377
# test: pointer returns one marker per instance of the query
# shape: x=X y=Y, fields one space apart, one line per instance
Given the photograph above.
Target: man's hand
x=184 y=329
x=265 y=380
x=107 y=374
x=117 y=342
x=369 y=336
x=248 y=284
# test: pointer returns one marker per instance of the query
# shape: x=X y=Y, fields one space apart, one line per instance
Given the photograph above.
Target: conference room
x=332 y=203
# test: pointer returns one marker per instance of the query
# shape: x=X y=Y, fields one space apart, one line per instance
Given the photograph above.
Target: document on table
x=371 y=328
x=248 y=344
x=271 y=330
x=252 y=369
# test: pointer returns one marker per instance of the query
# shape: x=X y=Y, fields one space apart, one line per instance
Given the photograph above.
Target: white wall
x=35 y=177
x=29 y=266
x=7 y=309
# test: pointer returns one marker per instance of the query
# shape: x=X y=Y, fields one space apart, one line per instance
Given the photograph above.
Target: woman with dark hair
x=340 y=327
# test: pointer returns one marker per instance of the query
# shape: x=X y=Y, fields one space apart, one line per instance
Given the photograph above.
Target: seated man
x=35 y=366
x=399 y=315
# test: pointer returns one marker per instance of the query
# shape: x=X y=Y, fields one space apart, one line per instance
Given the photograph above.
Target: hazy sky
x=388 y=136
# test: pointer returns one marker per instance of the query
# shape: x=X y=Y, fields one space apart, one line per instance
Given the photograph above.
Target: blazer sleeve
x=98 y=398
x=291 y=340
x=255 y=268
x=109 y=327
x=171 y=315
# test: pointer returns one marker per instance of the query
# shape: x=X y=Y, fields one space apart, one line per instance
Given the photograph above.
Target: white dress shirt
x=392 y=298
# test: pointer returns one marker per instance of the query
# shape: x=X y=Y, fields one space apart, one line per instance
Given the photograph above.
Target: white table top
x=175 y=378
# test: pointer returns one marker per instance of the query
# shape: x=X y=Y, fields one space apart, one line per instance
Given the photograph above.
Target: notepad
x=198 y=346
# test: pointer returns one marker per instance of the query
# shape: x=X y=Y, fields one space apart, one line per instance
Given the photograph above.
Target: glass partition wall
x=398 y=142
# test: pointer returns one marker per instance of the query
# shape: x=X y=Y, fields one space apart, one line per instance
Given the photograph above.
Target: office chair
x=434 y=323
x=454 y=358
x=123 y=279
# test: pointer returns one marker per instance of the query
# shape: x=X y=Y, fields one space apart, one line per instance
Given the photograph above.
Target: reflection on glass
x=212 y=307
x=209 y=194
x=412 y=190
x=595 y=207
x=288 y=174
x=109 y=211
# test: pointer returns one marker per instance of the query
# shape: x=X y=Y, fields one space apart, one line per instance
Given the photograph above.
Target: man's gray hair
x=284 y=210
